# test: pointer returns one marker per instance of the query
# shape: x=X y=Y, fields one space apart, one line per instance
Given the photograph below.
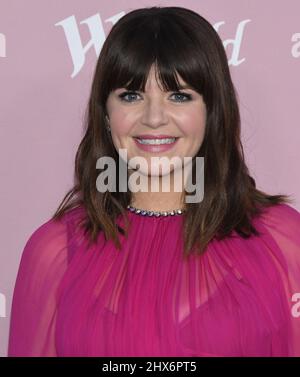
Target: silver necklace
x=144 y=212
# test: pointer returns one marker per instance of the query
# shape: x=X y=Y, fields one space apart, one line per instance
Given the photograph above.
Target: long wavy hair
x=175 y=40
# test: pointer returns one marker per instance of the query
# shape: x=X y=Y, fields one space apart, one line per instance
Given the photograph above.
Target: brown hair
x=179 y=40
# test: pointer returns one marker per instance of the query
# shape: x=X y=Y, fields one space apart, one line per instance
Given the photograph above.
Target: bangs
x=168 y=45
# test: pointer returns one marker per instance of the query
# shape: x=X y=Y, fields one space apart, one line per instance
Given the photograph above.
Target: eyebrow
x=185 y=86
x=181 y=86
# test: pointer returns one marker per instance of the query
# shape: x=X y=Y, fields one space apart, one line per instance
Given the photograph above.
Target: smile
x=156 y=145
x=156 y=141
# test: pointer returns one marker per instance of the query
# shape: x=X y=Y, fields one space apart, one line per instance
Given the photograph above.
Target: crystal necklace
x=144 y=212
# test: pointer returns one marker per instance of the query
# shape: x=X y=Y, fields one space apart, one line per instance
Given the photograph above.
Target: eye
x=125 y=96
x=187 y=96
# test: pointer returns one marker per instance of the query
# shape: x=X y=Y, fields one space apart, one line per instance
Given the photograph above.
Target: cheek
x=194 y=131
x=194 y=128
x=120 y=127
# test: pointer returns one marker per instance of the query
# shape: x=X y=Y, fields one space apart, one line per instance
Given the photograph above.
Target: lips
x=147 y=136
x=155 y=148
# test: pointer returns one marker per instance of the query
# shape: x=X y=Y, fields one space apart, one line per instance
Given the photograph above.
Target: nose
x=154 y=113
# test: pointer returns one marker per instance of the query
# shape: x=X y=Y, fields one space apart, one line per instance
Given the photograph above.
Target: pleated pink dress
x=241 y=298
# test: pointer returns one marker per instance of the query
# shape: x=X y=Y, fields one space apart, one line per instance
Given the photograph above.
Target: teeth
x=156 y=141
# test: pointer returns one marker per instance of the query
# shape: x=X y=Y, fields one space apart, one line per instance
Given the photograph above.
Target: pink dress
x=241 y=298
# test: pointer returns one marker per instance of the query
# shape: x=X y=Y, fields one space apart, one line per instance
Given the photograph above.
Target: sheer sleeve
x=33 y=314
x=283 y=224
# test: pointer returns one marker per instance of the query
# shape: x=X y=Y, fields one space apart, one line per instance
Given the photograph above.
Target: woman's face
x=180 y=115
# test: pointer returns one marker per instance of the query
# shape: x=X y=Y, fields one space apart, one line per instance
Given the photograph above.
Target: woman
x=117 y=273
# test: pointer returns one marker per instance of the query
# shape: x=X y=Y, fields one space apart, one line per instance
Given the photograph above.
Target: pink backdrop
x=48 y=50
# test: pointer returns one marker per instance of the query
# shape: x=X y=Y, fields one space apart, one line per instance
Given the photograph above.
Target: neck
x=158 y=200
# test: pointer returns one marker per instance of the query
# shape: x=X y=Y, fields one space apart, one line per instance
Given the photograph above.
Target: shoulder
x=54 y=228
x=51 y=239
x=281 y=223
x=281 y=216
